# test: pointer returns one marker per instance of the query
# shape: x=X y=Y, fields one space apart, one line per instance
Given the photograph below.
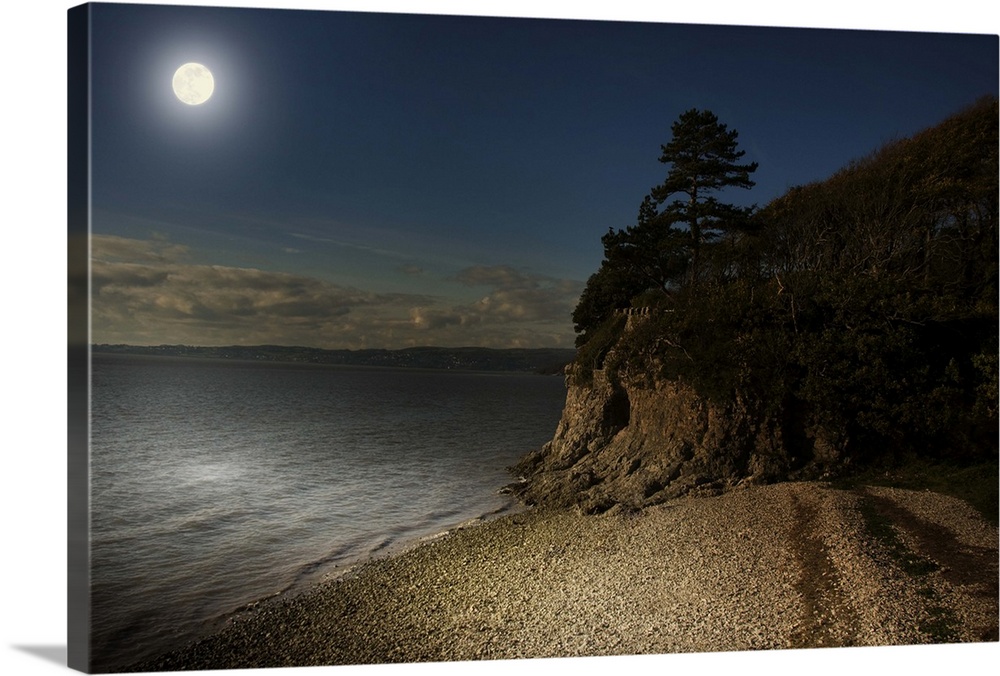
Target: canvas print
x=420 y=338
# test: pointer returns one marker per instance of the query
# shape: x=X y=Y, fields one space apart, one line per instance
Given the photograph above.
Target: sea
x=219 y=483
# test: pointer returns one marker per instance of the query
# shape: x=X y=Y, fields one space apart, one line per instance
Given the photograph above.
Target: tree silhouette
x=658 y=252
x=703 y=159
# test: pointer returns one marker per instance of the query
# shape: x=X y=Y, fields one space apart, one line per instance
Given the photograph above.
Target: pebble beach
x=791 y=565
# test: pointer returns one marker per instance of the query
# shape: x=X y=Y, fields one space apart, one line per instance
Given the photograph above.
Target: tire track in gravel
x=826 y=617
x=964 y=567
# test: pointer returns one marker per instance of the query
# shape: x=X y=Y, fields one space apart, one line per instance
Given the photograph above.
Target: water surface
x=215 y=483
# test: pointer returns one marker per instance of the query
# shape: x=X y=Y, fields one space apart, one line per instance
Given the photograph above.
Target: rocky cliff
x=631 y=439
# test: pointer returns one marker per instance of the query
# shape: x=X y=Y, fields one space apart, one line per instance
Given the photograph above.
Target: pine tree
x=703 y=159
x=659 y=252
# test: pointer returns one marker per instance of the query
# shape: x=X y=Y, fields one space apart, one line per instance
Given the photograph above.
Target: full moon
x=193 y=83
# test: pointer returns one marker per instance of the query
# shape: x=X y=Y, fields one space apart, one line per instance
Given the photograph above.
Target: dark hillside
x=848 y=321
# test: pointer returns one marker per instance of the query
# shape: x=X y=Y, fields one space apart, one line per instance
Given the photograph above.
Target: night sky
x=787 y=136
x=383 y=180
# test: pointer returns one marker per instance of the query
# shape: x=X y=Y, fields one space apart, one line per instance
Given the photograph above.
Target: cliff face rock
x=626 y=441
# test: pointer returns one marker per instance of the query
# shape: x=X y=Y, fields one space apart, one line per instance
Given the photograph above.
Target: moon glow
x=193 y=84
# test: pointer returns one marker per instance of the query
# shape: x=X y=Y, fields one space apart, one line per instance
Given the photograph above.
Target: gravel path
x=786 y=566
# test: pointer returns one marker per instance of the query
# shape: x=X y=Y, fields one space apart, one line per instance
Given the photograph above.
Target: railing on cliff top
x=635 y=314
x=632 y=316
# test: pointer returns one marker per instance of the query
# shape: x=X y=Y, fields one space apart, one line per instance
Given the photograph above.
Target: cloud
x=380 y=251
x=141 y=292
x=144 y=292
x=499 y=276
x=412 y=270
x=430 y=319
x=114 y=248
x=524 y=304
x=183 y=299
x=124 y=275
x=518 y=296
x=520 y=309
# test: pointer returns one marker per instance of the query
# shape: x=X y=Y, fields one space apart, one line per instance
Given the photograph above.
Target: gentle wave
x=216 y=486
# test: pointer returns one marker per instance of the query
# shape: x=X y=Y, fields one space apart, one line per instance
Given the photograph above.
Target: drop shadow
x=49 y=653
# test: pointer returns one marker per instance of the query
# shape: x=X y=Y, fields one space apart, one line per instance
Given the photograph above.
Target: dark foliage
x=864 y=306
x=611 y=288
x=703 y=159
x=676 y=220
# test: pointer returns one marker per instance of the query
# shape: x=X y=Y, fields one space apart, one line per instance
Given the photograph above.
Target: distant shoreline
x=517 y=360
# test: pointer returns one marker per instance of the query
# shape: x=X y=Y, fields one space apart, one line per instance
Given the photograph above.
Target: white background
x=32 y=162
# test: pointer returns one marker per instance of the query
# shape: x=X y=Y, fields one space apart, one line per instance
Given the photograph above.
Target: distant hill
x=525 y=360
